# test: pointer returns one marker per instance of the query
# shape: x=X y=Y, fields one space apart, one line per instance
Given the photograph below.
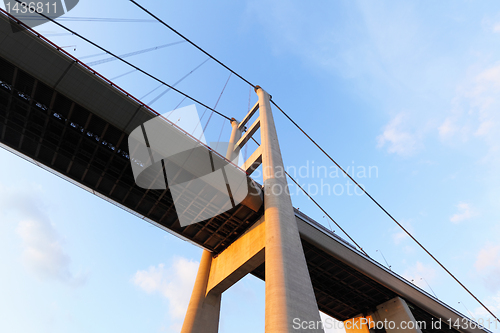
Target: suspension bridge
x=63 y=116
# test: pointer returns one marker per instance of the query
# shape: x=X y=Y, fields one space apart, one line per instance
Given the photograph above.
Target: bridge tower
x=48 y=119
x=274 y=240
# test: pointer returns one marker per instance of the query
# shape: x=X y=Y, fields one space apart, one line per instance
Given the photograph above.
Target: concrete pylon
x=289 y=292
x=397 y=312
x=273 y=240
x=392 y=316
x=204 y=308
x=235 y=136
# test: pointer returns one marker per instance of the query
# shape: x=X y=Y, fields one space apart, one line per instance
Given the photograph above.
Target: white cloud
x=474 y=114
x=44 y=254
x=447 y=128
x=419 y=274
x=493 y=304
x=488 y=266
x=175 y=283
x=496 y=28
x=398 y=139
x=490 y=255
x=487 y=81
x=43 y=247
x=484 y=128
x=465 y=212
x=399 y=235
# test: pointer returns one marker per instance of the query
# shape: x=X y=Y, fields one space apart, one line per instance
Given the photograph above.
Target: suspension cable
x=180 y=103
x=190 y=42
x=103 y=61
x=385 y=211
x=175 y=108
x=222 y=115
x=176 y=83
x=324 y=152
x=121 y=75
x=216 y=103
x=223 y=123
x=89 y=19
x=128 y=63
x=220 y=134
x=319 y=206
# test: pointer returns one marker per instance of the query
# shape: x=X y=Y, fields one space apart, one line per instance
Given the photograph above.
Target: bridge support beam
x=289 y=291
x=232 y=154
x=240 y=258
x=396 y=311
x=216 y=275
x=393 y=316
x=204 y=306
x=203 y=310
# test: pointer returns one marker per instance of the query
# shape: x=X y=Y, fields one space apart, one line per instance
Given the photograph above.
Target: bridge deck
x=61 y=115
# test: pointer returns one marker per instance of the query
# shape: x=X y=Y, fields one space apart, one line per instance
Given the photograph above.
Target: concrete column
x=203 y=310
x=289 y=291
x=235 y=136
x=396 y=316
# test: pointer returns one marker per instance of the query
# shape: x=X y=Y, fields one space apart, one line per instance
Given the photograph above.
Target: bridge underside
x=41 y=120
x=46 y=126
x=343 y=292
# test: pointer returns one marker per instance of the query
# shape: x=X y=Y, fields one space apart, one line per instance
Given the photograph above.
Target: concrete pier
x=289 y=292
x=203 y=310
x=274 y=240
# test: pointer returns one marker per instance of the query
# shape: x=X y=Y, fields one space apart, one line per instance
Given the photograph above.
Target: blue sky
x=407 y=88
